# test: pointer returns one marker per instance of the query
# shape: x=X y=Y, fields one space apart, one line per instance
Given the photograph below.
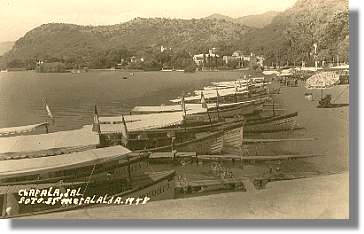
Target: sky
x=19 y=16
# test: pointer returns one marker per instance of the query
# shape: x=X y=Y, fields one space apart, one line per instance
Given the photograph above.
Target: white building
x=241 y=58
x=199 y=58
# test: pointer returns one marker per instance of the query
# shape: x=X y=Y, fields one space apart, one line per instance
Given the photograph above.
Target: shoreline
x=320 y=197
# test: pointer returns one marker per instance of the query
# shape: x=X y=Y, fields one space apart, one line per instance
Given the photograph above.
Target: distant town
x=170 y=61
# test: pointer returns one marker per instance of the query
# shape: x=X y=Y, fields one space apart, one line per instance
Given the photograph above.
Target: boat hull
x=273 y=124
x=240 y=97
x=204 y=139
x=159 y=186
x=234 y=143
x=205 y=143
x=215 y=115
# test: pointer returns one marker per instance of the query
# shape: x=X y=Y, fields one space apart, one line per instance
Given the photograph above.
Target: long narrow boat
x=203 y=143
x=169 y=120
x=36 y=128
x=48 y=144
x=236 y=141
x=204 y=139
x=21 y=130
x=230 y=91
x=226 y=96
x=196 y=114
x=154 y=131
x=227 y=111
x=271 y=124
x=115 y=171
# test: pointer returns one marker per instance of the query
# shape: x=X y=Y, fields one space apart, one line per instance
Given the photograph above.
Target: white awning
x=159 y=120
x=140 y=122
x=20 y=129
x=73 y=160
x=156 y=109
x=211 y=94
x=63 y=139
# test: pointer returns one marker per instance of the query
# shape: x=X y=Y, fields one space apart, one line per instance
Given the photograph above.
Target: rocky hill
x=139 y=37
x=292 y=34
x=253 y=21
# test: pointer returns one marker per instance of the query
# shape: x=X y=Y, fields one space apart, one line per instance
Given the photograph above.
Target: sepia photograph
x=162 y=109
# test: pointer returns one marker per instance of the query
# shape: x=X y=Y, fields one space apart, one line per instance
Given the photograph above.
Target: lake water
x=71 y=97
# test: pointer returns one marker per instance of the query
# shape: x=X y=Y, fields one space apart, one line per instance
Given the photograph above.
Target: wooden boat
x=66 y=167
x=225 y=96
x=230 y=91
x=195 y=114
x=36 y=128
x=155 y=132
x=248 y=159
x=166 y=116
x=202 y=139
x=272 y=124
x=149 y=187
x=226 y=110
x=48 y=144
x=193 y=157
x=21 y=130
x=242 y=82
x=237 y=141
x=222 y=86
x=252 y=124
x=160 y=131
x=203 y=143
x=115 y=171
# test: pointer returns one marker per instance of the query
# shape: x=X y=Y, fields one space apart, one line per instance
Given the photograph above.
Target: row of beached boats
x=112 y=155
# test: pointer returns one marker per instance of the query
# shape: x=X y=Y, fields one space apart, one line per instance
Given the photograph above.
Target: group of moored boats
x=112 y=155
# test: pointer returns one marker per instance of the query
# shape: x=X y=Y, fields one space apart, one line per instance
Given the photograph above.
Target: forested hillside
x=289 y=37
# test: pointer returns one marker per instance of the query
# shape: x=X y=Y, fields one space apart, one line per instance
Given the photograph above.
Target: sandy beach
x=329 y=125
x=311 y=198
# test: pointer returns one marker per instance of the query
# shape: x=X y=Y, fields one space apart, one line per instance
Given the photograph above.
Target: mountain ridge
x=288 y=37
x=254 y=21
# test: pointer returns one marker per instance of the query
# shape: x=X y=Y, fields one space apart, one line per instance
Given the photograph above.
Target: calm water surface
x=72 y=97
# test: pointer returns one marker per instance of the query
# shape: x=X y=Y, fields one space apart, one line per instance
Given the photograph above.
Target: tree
x=15 y=63
x=300 y=37
x=204 y=61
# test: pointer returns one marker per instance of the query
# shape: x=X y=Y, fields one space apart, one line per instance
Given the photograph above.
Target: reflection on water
x=71 y=97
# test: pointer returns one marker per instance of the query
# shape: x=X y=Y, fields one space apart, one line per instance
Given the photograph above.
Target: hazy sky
x=19 y=16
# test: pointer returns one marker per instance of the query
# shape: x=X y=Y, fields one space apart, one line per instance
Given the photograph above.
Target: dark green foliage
x=288 y=38
x=51 y=67
x=105 y=46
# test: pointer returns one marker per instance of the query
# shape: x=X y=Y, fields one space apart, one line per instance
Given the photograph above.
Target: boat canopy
x=140 y=122
x=211 y=94
x=223 y=92
x=157 y=109
x=161 y=119
x=63 y=139
x=190 y=108
x=10 y=168
x=21 y=129
x=230 y=84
